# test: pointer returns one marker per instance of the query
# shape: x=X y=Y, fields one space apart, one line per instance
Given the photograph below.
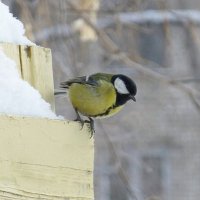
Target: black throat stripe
x=106 y=112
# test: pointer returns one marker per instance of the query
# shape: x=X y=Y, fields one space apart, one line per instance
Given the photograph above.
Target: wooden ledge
x=45 y=159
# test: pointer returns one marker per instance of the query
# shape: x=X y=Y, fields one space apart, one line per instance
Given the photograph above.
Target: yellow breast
x=93 y=101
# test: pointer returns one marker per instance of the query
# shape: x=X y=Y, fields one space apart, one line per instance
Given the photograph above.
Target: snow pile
x=17 y=97
x=11 y=29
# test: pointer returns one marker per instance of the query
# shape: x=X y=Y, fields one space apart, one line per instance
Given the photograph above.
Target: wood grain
x=45 y=159
x=35 y=66
x=12 y=51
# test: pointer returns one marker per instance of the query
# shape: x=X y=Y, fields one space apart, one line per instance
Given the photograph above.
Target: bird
x=99 y=95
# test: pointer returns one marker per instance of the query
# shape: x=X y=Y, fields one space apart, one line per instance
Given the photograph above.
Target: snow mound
x=17 y=97
x=11 y=29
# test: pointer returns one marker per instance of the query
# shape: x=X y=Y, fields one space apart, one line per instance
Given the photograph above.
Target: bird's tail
x=59 y=92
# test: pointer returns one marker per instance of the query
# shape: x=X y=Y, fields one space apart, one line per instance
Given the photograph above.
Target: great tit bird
x=99 y=95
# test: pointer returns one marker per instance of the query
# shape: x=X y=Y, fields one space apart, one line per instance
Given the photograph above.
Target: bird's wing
x=81 y=80
x=101 y=76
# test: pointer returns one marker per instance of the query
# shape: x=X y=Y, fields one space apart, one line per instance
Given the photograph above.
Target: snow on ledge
x=17 y=97
x=11 y=29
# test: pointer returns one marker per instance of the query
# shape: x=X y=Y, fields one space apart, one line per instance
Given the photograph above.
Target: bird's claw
x=90 y=125
x=81 y=122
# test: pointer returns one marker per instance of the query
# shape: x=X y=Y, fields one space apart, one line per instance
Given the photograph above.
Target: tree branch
x=153 y=17
x=58 y=31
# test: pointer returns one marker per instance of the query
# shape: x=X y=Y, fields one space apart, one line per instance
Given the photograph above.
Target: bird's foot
x=90 y=125
x=81 y=121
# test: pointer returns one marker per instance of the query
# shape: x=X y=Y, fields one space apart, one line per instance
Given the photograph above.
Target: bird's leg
x=91 y=128
x=79 y=119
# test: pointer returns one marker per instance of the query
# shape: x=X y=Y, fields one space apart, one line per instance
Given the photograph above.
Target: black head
x=125 y=88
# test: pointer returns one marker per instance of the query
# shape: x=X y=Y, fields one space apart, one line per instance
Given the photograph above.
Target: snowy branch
x=58 y=31
x=152 y=17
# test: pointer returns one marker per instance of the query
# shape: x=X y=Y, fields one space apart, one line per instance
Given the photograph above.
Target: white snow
x=11 y=29
x=17 y=97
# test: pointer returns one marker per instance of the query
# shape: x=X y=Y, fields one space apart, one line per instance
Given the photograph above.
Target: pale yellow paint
x=12 y=51
x=35 y=66
x=47 y=159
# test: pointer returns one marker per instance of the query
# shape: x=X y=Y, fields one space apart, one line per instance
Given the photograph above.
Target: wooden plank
x=45 y=159
x=12 y=51
x=36 y=64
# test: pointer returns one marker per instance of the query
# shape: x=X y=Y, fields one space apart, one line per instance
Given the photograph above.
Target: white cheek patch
x=120 y=86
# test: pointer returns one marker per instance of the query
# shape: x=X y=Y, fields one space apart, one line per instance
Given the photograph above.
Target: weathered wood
x=12 y=51
x=45 y=159
x=35 y=66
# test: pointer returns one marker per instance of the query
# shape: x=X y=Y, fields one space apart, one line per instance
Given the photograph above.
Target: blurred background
x=150 y=150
